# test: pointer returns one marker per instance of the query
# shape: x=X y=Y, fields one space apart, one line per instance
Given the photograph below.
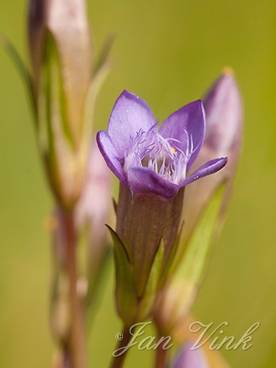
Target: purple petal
x=144 y=180
x=110 y=155
x=130 y=114
x=189 y=358
x=189 y=121
x=208 y=168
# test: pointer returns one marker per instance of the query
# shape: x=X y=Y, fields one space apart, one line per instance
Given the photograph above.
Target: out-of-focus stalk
x=61 y=59
x=67 y=309
x=93 y=212
x=63 y=88
x=65 y=22
x=161 y=357
x=118 y=361
x=60 y=50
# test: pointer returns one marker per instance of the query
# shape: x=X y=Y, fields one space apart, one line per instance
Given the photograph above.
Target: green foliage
x=196 y=251
x=152 y=283
x=125 y=288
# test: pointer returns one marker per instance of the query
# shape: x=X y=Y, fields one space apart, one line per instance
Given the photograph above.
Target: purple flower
x=152 y=159
x=189 y=358
x=152 y=164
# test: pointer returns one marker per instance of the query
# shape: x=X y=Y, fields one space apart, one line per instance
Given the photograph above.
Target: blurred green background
x=168 y=52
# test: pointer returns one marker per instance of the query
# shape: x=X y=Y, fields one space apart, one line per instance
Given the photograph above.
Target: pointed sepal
x=153 y=283
x=126 y=301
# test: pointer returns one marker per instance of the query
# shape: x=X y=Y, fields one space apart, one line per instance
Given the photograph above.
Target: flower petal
x=144 y=180
x=190 y=358
x=208 y=168
x=130 y=114
x=110 y=155
x=187 y=122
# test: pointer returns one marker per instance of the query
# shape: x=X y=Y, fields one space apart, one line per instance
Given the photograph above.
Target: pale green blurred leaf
x=125 y=296
x=21 y=69
x=152 y=282
x=196 y=251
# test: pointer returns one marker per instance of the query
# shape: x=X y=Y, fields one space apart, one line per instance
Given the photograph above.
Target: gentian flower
x=149 y=159
x=151 y=163
x=189 y=358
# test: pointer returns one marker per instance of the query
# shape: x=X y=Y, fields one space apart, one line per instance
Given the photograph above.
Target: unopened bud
x=63 y=91
x=224 y=116
x=203 y=202
x=65 y=22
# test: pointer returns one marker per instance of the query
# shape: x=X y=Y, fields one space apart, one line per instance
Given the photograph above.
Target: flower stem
x=73 y=347
x=161 y=357
x=118 y=361
x=77 y=335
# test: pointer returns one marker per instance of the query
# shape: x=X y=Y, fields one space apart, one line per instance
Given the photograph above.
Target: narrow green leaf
x=56 y=82
x=22 y=71
x=97 y=280
x=94 y=88
x=196 y=251
x=125 y=290
x=186 y=271
x=105 y=54
x=152 y=283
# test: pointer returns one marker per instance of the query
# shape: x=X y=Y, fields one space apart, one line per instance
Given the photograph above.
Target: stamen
x=159 y=154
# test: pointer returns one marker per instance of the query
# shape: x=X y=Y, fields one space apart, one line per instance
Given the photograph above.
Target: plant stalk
x=73 y=346
x=118 y=361
x=161 y=357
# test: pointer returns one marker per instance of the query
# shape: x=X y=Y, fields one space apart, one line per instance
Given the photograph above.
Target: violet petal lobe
x=110 y=155
x=144 y=180
x=187 y=127
x=189 y=358
x=130 y=115
x=208 y=168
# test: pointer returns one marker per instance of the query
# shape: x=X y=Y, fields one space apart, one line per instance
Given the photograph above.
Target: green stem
x=161 y=353
x=118 y=361
x=161 y=357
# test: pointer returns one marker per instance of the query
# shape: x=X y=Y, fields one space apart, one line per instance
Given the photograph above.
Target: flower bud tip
x=227 y=70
